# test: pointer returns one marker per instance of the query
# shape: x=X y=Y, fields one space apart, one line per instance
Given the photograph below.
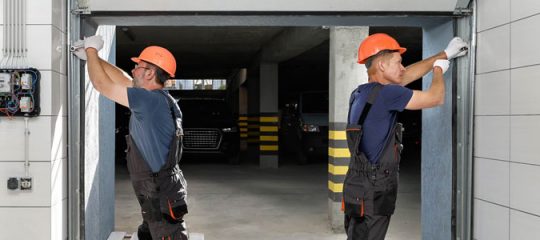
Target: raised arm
x=434 y=96
x=109 y=83
x=456 y=48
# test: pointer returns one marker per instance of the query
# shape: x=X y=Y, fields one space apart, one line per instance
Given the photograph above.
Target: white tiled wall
x=507 y=121
x=42 y=212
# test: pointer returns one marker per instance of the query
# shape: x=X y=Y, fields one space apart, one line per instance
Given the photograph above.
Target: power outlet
x=12 y=183
x=26 y=183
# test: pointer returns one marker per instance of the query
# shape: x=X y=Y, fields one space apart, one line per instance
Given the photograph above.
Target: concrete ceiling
x=209 y=51
x=216 y=52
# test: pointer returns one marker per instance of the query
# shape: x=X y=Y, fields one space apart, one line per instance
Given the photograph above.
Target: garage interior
x=245 y=201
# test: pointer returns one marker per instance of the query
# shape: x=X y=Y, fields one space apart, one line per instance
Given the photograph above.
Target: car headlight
x=230 y=129
x=310 y=128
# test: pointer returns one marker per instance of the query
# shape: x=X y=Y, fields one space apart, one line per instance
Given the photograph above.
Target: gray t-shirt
x=151 y=125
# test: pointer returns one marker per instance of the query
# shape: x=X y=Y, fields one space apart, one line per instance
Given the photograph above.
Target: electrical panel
x=19 y=92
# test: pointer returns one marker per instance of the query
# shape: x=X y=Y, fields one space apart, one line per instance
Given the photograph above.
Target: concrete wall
x=506 y=163
x=42 y=212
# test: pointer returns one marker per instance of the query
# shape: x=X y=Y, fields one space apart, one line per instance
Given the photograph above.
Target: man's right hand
x=95 y=42
x=443 y=64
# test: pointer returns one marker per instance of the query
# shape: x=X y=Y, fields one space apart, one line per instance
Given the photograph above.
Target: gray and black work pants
x=366 y=227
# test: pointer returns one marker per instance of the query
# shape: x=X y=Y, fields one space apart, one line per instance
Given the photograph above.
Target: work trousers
x=143 y=233
x=366 y=227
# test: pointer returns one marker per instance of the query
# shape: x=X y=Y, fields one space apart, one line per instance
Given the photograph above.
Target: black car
x=210 y=129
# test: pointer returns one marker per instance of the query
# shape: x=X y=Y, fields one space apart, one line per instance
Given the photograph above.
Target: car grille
x=201 y=138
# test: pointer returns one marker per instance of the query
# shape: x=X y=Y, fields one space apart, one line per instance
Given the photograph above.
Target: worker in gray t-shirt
x=155 y=140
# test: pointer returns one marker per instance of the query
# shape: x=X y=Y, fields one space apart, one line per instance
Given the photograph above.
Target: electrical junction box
x=19 y=92
x=5 y=83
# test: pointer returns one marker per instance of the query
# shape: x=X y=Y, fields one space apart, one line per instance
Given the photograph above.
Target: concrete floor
x=241 y=202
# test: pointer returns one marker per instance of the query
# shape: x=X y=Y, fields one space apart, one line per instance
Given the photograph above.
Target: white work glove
x=456 y=48
x=95 y=42
x=78 y=49
x=443 y=64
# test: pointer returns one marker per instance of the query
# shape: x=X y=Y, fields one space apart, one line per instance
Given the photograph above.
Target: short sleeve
x=142 y=101
x=397 y=97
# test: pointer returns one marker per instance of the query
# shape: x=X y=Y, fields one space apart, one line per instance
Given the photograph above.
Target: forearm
x=437 y=86
x=96 y=72
x=116 y=74
x=419 y=69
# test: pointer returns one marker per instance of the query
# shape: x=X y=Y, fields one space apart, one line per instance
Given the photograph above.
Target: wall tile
x=491 y=222
x=39 y=196
x=524 y=42
x=523 y=226
x=31 y=223
x=491 y=181
x=492 y=13
x=38 y=12
x=524 y=194
x=492 y=93
x=493 y=51
x=524 y=139
x=39 y=46
x=524 y=85
x=47 y=140
x=524 y=8
x=492 y=137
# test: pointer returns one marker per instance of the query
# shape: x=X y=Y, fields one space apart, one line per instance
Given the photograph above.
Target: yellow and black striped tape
x=338 y=160
x=242 y=125
x=268 y=133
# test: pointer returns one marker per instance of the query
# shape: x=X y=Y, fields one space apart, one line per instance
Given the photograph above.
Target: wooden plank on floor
x=117 y=236
x=196 y=236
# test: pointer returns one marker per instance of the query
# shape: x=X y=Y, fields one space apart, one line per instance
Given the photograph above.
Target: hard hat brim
x=136 y=59
x=401 y=50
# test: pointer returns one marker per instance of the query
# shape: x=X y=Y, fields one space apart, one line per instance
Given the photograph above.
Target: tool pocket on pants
x=384 y=202
x=173 y=198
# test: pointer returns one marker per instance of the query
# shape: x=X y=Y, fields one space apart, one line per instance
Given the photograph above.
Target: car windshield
x=204 y=108
x=316 y=102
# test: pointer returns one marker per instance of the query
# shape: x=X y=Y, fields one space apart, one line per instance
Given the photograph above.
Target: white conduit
x=14 y=49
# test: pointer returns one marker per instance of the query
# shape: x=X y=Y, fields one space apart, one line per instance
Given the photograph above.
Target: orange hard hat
x=375 y=43
x=158 y=56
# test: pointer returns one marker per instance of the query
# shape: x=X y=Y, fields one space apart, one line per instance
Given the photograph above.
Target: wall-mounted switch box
x=26 y=183
x=13 y=183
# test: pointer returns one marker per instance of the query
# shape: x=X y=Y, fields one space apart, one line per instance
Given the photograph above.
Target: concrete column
x=345 y=75
x=253 y=113
x=269 y=116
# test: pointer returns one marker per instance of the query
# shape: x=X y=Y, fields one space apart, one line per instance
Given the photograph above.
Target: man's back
x=381 y=117
x=151 y=125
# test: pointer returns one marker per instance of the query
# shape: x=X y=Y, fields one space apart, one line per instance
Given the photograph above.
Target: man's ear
x=150 y=73
x=381 y=65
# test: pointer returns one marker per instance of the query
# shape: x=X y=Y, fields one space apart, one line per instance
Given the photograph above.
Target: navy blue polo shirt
x=151 y=125
x=392 y=99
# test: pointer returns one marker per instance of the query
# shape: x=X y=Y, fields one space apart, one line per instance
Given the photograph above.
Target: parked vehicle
x=310 y=123
x=210 y=129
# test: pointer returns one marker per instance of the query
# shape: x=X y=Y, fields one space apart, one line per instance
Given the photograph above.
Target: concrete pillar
x=243 y=116
x=269 y=116
x=253 y=113
x=345 y=75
